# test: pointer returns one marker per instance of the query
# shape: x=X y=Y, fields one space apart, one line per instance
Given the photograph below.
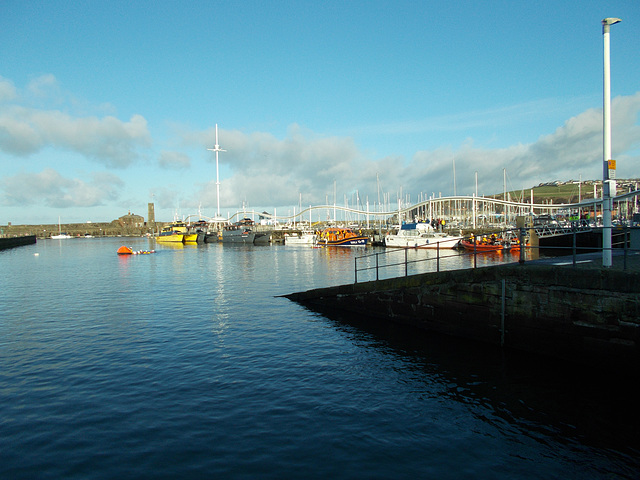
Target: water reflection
x=550 y=402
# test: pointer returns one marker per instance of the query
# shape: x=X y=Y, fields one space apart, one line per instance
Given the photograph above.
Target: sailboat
x=61 y=235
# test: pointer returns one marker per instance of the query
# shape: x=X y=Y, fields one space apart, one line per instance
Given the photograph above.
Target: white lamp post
x=608 y=165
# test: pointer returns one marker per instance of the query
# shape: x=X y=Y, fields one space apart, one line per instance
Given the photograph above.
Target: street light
x=608 y=164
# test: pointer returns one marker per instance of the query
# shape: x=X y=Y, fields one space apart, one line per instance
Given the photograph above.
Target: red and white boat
x=341 y=237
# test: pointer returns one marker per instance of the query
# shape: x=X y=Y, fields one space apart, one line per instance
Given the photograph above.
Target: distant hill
x=567 y=192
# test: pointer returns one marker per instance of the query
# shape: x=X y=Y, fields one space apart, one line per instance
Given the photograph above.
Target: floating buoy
x=124 y=250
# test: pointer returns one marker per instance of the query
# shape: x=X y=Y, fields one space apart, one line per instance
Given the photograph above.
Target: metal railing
x=388 y=258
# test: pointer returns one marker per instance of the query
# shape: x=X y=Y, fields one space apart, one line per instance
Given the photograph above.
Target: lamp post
x=608 y=165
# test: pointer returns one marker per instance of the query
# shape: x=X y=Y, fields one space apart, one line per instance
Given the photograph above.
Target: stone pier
x=583 y=313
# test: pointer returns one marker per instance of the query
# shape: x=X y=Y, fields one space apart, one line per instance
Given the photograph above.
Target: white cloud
x=574 y=149
x=26 y=129
x=49 y=188
x=274 y=172
x=108 y=140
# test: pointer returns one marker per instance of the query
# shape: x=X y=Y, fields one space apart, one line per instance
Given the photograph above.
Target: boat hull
x=420 y=235
x=303 y=239
x=341 y=237
x=399 y=241
x=348 y=242
x=173 y=238
x=190 y=237
x=262 y=238
x=238 y=237
x=480 y=247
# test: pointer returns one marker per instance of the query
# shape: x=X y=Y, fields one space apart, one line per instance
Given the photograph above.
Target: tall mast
x=217 y=149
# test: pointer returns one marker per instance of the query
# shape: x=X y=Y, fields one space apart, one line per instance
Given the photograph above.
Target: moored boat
x=190 y=237
x=177 y=232
x=238 y=234
x=306 y=237
x=172 y=233
x=244 y=231
x=341 y=237
x=262 y=238
x=198 y=230
x=61 y=235
x=481 y=247
x=212 y=237
x=420 y=235
x=492 y=243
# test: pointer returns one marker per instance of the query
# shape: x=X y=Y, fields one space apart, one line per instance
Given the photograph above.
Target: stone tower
x=152 y=217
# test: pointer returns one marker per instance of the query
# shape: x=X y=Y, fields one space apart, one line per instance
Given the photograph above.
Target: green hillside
x=566 y=192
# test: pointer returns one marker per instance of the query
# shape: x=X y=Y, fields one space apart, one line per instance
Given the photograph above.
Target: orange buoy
x=124 y=250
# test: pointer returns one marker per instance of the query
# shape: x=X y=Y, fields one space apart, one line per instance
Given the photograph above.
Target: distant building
x=131 y=220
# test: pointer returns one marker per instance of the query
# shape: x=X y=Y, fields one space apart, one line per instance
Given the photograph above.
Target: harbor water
x=187 y=363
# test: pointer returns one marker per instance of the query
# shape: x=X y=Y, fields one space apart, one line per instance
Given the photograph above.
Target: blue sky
x=106 y=106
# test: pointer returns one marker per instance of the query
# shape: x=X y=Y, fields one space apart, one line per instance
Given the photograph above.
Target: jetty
x=568 y=308
x=18 y=241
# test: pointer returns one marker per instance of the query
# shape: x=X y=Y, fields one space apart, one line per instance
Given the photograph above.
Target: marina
x=426 y=268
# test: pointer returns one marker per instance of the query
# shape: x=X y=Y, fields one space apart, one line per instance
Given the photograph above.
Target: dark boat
x=238 y=234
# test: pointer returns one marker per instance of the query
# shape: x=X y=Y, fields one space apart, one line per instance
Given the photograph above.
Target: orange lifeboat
x=124 y=250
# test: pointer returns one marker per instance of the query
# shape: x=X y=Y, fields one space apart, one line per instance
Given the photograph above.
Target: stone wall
x=590 y=316
x=74 y=229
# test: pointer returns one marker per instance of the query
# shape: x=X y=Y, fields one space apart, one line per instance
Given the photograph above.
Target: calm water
x=187 y=364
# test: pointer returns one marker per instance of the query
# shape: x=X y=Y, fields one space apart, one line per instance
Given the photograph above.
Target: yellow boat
x=190 y=238
x=175 y=232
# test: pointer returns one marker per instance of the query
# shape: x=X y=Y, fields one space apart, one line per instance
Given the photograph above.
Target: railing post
x=575 y=242
x=522 y=245
x=356 y=270
x=475 y=253
x=406 y=263
x=438 y=257
x=377 y=277
x=626 y=235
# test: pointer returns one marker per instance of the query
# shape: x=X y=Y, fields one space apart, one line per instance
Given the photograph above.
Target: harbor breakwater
x=584 y=315
x=98 y=229
x=11 y=242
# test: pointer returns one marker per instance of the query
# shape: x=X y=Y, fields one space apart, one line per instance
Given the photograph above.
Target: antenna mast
x=217 y=149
